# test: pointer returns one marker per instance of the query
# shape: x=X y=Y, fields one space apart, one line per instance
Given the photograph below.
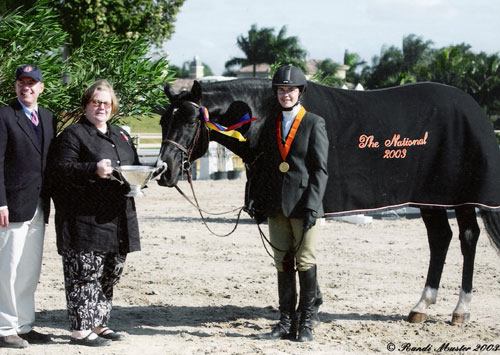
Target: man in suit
x=26 y=131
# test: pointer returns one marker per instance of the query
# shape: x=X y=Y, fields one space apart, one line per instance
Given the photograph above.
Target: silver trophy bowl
x=137 y=176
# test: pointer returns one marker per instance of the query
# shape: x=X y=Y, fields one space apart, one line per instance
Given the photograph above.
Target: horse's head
x=184 y=136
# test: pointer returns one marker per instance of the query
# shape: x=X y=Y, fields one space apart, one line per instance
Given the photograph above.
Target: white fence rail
x=140 y=137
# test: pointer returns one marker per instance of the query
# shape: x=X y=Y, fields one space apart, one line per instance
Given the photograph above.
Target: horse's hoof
x=459 y=319
x=417 y=317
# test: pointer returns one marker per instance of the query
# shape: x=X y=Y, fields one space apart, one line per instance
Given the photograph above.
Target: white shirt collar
x=27 y=111
x=290 y=115
x=288 y=118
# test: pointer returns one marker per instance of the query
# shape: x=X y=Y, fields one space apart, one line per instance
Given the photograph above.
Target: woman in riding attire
x=296 y=151
x=287 y=175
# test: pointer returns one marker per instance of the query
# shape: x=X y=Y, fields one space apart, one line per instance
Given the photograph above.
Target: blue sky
x=325 y=28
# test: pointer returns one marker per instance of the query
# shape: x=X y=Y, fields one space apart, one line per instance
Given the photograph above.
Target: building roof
x=183 y=84
x=260 y=68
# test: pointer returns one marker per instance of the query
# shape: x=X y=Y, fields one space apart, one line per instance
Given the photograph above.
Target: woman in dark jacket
x=286 y=184
x=295 y=148
x=96 y=224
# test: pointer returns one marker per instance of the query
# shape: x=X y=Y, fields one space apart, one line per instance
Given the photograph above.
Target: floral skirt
x=89 y=278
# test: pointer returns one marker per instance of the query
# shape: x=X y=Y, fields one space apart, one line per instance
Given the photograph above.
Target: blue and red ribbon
x=228 y=131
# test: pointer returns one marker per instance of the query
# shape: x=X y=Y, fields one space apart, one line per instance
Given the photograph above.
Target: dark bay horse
x=425 y=145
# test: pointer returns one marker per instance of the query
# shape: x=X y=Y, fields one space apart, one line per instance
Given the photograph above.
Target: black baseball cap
x=29 y=71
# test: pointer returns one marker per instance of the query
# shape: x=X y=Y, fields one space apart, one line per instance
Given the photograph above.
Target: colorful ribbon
x=228 y=131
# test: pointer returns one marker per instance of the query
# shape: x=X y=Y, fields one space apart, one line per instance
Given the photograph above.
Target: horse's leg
x=439 y=236
x=469 y=234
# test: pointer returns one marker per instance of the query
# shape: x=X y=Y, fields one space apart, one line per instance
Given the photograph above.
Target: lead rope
x=186 y=166
x=196 y=205
x=264 y=238
x=200 y=210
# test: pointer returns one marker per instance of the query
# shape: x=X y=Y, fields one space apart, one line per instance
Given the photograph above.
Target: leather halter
x=186 y=165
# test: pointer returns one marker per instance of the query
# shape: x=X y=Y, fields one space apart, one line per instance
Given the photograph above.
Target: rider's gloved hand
x=309 y=220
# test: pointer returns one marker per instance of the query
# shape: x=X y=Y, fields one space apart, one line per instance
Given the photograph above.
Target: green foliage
x=138 y=124
x=207 y=71
x=397 y=66
x=353 y=61
x=138 y=80
x=328 y=67
x=327 y=79
x=152 y=20
x=183 y=72
x=31 y=37
x=11 y=5
x=179 y=72
x=263 y=46
x=287 y=49
x=449 y=65
x=476 y=74
x=255 y=47
x=484 y=82
x=326 y=73
x=456 y=65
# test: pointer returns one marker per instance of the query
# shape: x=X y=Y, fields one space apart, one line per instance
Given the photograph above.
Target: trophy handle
x=112 y=177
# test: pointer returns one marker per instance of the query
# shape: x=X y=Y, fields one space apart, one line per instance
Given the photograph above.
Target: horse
x=425 y=145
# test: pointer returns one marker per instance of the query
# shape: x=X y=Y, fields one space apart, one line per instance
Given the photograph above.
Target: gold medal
x=284 y=167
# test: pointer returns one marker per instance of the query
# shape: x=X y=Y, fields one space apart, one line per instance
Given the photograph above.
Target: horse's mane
x=253 y=91
x=236 y=86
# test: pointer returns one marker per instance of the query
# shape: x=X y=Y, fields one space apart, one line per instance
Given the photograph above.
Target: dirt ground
x=189 y=292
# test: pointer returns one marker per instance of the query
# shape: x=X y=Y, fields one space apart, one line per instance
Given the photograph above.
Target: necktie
x=34 y=118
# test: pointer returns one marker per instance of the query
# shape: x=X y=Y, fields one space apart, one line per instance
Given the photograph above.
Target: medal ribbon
x=285 y=148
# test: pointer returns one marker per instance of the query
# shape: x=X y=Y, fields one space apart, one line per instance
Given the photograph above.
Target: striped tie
x=34 y=118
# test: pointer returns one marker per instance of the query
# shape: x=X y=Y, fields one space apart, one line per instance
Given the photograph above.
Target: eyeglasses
x=286 y=90
x=98 y=103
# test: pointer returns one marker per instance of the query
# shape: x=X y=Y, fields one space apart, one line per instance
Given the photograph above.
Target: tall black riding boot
x=286 y=328
x=308 y=283
x=318 y=301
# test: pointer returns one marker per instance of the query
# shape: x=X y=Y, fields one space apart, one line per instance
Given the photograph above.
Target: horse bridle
x=186 y=166
x=188 y=151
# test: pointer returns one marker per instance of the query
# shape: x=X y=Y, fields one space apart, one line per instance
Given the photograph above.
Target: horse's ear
x=168 y=91
x=196 y=91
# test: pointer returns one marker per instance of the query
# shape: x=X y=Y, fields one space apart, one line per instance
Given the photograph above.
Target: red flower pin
x=124 y=136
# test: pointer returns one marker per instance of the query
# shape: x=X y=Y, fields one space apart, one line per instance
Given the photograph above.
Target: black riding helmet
x=288 y=75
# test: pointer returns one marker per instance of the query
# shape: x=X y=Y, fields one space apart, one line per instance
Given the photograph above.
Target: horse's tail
x=491 y=221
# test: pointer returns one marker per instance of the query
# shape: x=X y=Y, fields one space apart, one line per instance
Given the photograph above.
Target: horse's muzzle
x=166 y=180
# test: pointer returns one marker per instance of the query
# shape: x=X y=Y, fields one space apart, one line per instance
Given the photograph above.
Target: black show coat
x=299 y=189
x=303 y=186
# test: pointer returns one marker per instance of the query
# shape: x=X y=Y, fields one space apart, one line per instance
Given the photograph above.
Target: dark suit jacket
x=303 y=186
x=22 y=161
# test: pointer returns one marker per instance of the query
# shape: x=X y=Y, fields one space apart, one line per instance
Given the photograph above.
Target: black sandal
x=98 y=341
x=109 y=334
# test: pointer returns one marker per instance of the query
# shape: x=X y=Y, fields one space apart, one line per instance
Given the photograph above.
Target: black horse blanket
x=422 y=145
